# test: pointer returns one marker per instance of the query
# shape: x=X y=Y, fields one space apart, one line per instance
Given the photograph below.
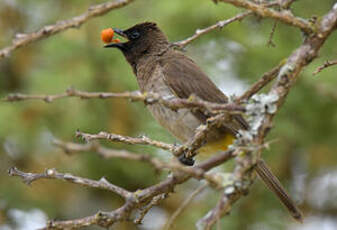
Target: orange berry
x=116 y=40
x=107 y=35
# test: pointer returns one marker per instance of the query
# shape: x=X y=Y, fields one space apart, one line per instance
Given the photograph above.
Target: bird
x=160 y=68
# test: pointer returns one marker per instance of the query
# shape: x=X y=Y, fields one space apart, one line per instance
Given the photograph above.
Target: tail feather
x=275 y=186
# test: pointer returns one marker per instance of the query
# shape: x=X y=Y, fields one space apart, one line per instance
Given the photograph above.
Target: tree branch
x=155 y=201
x=218 y=25
x=134 y=200
x=262 y=82
x=222 y=208
x=270 y=42
x=301 y=57
x=75 y=22
x=103 y=219
x=71 y=148
x=286 y=79
x=196 y=172
x=236 y=185
x=325 y=65
x=183 y=206
x=263 y=11
x=241 y=178
x=28 y=178
x=189 y=148
x=147 y=98
x=285 y=4
x=143 y=140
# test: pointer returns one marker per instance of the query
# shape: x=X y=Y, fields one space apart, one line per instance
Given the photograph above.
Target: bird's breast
x=180 y=123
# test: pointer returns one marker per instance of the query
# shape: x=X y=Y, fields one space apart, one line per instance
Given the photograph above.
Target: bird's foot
x=186 y=160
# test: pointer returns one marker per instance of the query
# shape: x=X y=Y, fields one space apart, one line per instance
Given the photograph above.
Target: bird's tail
x=276 y=187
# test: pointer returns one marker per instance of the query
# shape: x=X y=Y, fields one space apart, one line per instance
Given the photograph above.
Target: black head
x=143 y=39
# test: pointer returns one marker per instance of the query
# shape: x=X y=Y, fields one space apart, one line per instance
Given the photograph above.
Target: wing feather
x=185 y=78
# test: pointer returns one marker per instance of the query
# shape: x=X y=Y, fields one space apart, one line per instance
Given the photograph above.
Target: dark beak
x=117 y=45
x=114 y=45
x=120 y=32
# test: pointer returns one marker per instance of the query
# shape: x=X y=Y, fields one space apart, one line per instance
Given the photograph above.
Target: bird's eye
x=134 y=35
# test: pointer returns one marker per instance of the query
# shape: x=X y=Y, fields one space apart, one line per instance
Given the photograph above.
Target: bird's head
x=142 y=39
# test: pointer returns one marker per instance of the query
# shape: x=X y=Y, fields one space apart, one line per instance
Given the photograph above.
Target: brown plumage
x=160 y=68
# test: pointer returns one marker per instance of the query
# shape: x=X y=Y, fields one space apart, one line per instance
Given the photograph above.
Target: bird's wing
x=185 y=78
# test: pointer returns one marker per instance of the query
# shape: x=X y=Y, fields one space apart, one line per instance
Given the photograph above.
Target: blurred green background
x=303 y=157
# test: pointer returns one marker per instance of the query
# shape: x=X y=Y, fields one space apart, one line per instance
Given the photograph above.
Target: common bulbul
x=161 y=69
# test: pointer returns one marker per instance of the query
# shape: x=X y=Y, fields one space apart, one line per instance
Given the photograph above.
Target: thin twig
x=195 y=172
x=103 y=219
x=75 y=22
x=230 y=195
x=262 y=82
x=147 y=98
x=189 y=148
x=183 y=206
x=237 y=185
x=222 y=208
x=286 y=78
x=325 y=65
x=71 y=148
x=200 y=135
x=242 y=175
x=263 y=11
x=218 y=25
x=143 y=140
x=71 y=92
x=28 y=178
x=291 y=70
x=270 y=42
x=136 y=200
x=155 y=201
x=285 y=4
